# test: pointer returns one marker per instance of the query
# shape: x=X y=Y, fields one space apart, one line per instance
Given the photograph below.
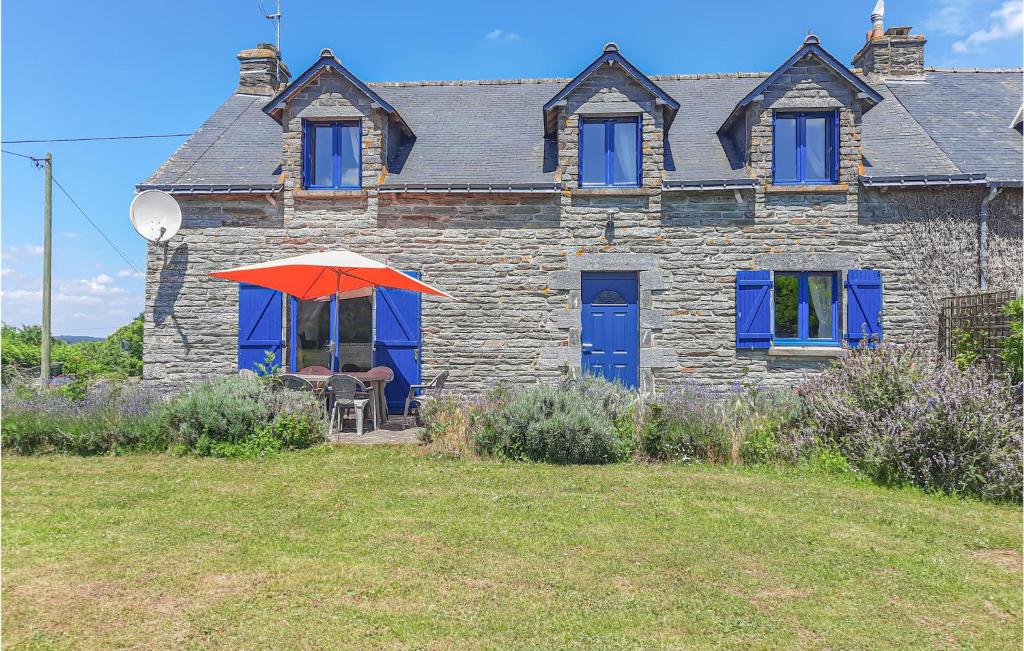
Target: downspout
x=983 y=237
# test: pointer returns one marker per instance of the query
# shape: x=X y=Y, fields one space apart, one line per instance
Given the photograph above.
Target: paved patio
x=397 y=431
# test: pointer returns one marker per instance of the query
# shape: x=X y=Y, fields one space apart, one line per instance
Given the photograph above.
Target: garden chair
x=347 y=393
x=295 y=383
x=434 y=385
x=315 y=370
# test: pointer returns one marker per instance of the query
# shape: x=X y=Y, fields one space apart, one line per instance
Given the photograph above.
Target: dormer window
x=332 y=157
x=610 y=152
x=805 y=146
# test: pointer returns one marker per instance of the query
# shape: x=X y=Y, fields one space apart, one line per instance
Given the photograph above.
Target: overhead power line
x=14 y=153
x=84 y=214
x=142 y=137
x=98 y=229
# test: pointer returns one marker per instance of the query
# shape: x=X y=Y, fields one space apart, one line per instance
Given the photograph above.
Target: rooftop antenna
x=276 y=19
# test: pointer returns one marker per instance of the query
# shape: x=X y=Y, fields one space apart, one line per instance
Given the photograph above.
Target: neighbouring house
x=713 y=227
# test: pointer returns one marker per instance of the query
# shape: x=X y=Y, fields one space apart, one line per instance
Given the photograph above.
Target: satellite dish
x=155 y=215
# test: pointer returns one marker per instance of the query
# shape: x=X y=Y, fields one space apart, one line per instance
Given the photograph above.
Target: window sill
x=328 y=194
x=807 y=351
x=835 y=188
x=618 y=192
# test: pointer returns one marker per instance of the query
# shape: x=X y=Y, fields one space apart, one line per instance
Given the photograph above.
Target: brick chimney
x=894 y=52
x=261 y=71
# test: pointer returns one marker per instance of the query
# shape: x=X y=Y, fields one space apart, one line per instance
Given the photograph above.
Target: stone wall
x=514 y=261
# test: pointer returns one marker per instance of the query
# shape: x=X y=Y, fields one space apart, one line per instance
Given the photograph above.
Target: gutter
x=921 y=180
x=174 y=188
x=709 y=184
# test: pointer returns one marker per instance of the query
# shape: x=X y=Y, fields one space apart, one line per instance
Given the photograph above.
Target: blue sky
x=72 y=69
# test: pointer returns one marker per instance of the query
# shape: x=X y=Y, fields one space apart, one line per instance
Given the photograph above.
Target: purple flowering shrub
x=109 y=418
x=903 y=416
x=695 y=422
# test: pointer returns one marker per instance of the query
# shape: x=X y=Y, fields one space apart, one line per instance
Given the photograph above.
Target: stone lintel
x=613 y=262
x=806 y=261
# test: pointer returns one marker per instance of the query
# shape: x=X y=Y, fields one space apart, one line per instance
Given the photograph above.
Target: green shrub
x=558 y=424
x=1011 y=348
x=243 y=416
x=674 y=433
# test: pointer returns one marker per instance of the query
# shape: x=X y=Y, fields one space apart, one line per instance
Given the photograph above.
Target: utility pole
x=44 y=367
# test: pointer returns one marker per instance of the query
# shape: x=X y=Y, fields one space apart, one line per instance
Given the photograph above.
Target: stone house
x=712 y=227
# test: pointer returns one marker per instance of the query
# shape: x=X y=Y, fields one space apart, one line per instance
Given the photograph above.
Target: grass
x=375 y=547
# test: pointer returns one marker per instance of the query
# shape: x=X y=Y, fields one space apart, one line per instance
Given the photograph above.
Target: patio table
x=375 y=379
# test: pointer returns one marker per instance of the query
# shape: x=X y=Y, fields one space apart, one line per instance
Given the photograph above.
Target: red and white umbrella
x=325 y=273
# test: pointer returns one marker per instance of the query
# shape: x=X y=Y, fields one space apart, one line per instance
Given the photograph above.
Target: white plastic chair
x=434 y=385
x=348 y=393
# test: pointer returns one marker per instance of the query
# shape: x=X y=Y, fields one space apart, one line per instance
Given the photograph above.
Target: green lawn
x=371 y=547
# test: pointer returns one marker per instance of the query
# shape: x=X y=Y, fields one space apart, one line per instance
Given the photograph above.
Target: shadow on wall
x=172 y=279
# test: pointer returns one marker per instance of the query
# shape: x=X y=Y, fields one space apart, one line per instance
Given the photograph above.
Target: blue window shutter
x=753 y=309
x=259 y=325
x=863 y=307
x=398 y=339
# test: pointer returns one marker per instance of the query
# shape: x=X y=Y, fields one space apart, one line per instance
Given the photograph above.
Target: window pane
x=592 y=154
x=313 y=324
x=608 y=297
x=785 y=149
x=814 y=167
x=323 y=151
x=355 y=325
x=787 y=290
x=819 y=311
x=350 y=156
x=624 y=168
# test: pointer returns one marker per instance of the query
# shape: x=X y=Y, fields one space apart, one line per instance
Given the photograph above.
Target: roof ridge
x=558 y=80
x=968 y=69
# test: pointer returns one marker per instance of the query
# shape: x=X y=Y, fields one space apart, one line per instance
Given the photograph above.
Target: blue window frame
x=332 y=155
x=805 y=147
x=806 y=308
x=610 y=152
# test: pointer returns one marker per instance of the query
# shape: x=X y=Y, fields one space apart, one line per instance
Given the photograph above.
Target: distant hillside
x=77 y=339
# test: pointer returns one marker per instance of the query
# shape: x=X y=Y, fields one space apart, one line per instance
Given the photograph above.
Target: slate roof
x=493 y=132
x=968 y=115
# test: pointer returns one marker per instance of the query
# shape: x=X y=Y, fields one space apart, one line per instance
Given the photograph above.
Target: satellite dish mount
x=156 y=216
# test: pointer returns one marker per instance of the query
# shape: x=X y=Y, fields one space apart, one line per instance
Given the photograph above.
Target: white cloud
x=951 y=18
x=127 y=273
x=92 y=306
x=11 y=273
x=69 y=234
x=15 y=252
x=1007 y=22
x=502 y=35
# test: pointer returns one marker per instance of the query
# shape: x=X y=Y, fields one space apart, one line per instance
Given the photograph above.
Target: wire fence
x=978 y=318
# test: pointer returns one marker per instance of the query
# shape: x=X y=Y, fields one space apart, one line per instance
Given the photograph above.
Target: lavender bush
x=694 y=422
x=902 y=415
x=109 y=418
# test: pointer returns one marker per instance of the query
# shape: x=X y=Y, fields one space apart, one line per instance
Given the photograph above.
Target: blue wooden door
x=611 y=327
x=397 y=341
x=259 y=325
